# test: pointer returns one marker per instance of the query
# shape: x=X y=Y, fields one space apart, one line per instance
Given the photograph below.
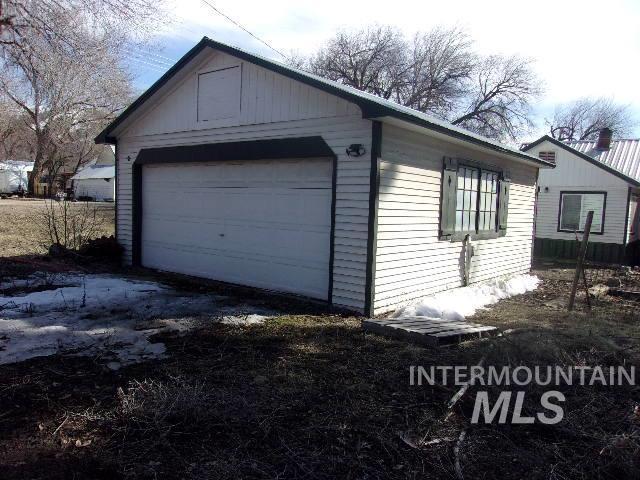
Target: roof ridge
x=372 y=106
x=585 y=156
x=612 y=140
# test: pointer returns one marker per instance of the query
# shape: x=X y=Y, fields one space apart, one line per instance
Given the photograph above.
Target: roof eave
x=370 y=109
x=105 y=137
x=459 y=135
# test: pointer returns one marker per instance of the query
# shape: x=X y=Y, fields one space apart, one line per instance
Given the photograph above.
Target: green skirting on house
x=596 y=251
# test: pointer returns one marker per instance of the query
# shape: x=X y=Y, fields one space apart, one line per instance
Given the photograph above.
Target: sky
x=579 y=47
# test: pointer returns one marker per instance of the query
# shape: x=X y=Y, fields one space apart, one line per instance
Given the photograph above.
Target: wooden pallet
x=428 y=331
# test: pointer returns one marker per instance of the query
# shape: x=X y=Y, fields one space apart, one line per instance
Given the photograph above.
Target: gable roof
x=26 y=165
x=581 y=153
x=623 y=155
x=371 y=105
x=95 y=171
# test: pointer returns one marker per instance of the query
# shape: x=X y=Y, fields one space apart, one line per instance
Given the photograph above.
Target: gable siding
x=574 y=173
x=272 y=107
x=266 y=97
x=410 y=260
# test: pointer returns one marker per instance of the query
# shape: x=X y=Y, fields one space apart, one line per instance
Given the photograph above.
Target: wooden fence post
x=581 y=255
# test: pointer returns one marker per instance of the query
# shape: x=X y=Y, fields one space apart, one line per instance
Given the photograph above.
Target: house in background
x=96 y=180
x=48 y=184
x=603 y=176
x=241 y=169
x=14 y=176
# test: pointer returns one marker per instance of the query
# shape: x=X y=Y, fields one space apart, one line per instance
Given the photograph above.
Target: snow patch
x=458 y=303
x=106 y=316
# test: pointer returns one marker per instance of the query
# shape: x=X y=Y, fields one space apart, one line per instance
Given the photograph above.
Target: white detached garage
x=237 y=168
x=264 y=223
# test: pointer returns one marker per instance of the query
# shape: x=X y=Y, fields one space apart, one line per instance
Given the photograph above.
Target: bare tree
x=440 y=64
x=499 y=105
x=14 y=133
x=21 y=19
x=437 y=72
x=372 y=59
x=583 y=119
x=67 y=94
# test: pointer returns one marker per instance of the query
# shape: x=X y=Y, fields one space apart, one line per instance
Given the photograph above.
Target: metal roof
x=95 y=171
x=623 y=155
x=588 y=158
x=371 y=105
x=16 y=164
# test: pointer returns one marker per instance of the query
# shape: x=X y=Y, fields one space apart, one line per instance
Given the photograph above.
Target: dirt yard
x=21 y=225
x=307 y=395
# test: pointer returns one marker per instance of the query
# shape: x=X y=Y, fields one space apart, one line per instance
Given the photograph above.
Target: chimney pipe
x=604 y=139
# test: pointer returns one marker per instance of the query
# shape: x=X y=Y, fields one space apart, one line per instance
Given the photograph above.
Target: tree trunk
x=36 y=172
x=38 y=164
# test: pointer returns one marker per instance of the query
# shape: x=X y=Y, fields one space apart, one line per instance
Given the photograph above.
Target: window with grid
x=488 y=208
x=467 y=199
x=476 y=200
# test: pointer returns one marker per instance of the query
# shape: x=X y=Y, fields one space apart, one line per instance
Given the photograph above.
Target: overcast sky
x=580 y=47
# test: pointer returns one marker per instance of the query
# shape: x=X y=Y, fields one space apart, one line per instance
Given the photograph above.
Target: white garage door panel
x=260 y=223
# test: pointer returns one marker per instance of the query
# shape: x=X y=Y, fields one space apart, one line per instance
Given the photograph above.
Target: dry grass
x=310 y=396
x=20 y=235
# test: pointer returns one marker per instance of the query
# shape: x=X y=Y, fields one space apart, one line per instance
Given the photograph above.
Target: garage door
x=265 y=224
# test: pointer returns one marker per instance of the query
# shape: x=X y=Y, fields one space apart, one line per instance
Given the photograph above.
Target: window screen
x=574 y=207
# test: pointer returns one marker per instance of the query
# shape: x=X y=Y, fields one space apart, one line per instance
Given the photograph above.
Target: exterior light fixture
x=355 y=150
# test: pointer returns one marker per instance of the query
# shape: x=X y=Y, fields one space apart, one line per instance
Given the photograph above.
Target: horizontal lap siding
x=614 y=220
x=272 y=106
x=575 y=173
x=410 y=260
x=352 y=189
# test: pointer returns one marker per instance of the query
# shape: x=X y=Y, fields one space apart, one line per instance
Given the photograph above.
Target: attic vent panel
x=219 y=94
x=547 y=156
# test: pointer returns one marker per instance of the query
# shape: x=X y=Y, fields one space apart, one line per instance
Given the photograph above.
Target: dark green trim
x=459 y=236
x=115 y=179
x=302 y=147
x=105 y=135
x=332 y=238
x=568 y=249
x=584 y=156
x=136 y=220
x=372 y=230
x=536 y=199
x=371 y=106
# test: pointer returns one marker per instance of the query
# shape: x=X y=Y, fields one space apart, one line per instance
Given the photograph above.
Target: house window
x=488 y=208
x=547 y=156
x=574 y=207
x=467 y=199
x=474 y=201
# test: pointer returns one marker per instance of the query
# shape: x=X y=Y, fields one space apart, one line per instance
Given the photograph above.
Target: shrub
x=103 y=247
x=67 y=224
